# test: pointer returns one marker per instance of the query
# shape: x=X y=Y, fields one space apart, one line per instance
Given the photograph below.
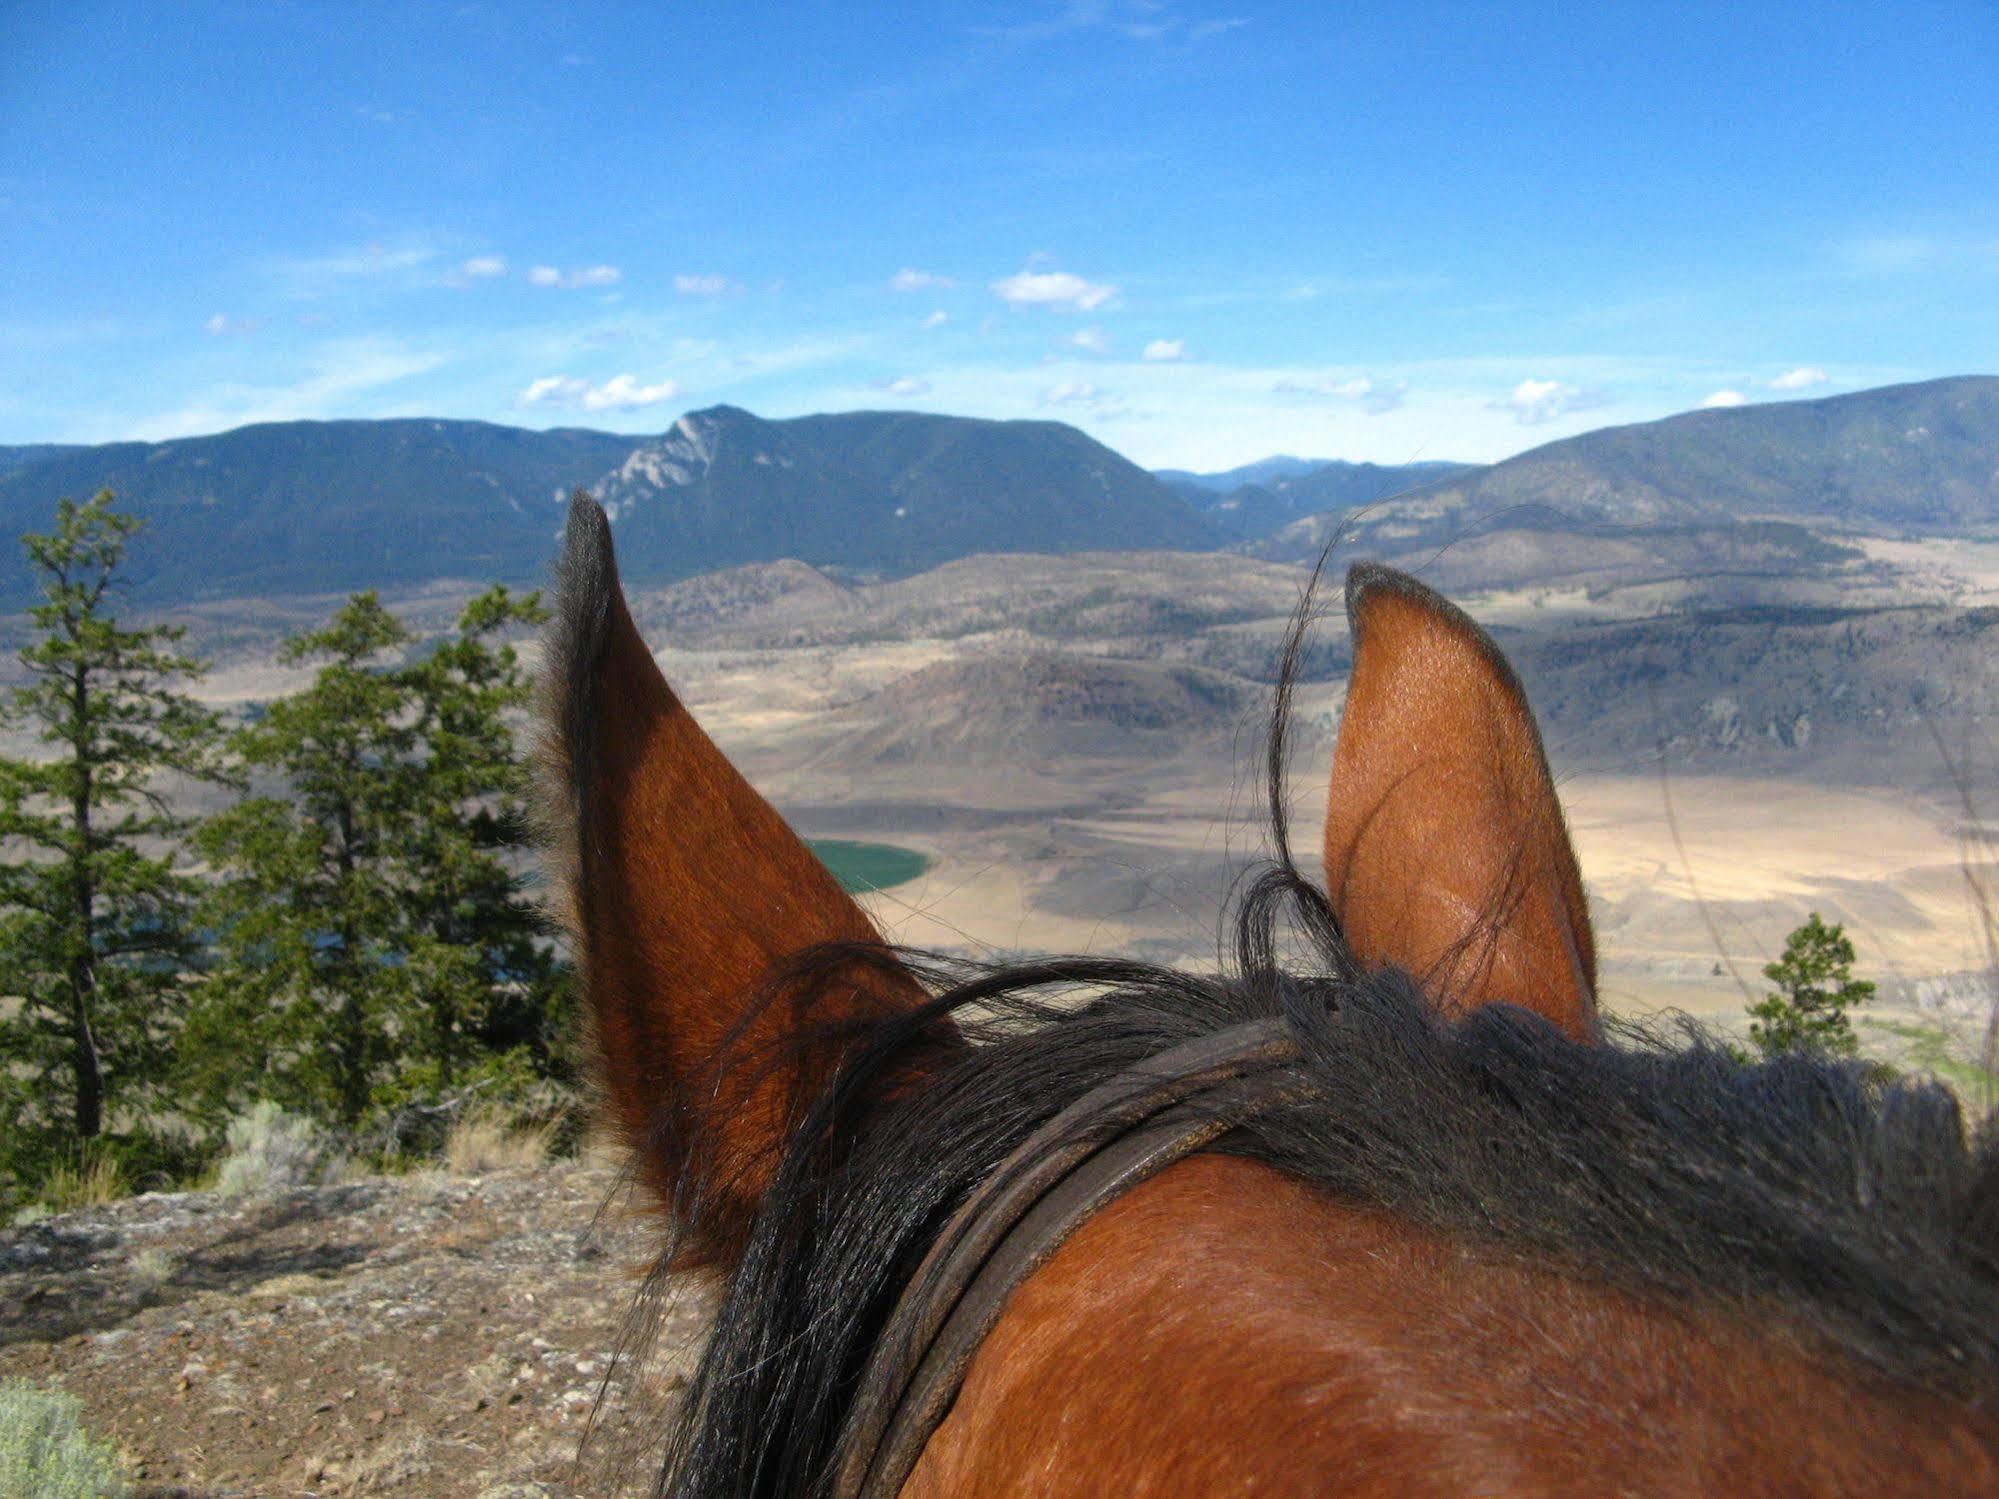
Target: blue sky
x=1204 y=232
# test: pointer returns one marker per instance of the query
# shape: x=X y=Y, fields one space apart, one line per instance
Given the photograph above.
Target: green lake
x=861 y=867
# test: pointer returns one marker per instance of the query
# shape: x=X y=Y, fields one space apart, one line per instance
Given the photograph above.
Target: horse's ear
x=1446 y=854
x=687 y=896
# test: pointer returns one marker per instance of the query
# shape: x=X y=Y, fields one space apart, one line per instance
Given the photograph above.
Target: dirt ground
x=421 y=1335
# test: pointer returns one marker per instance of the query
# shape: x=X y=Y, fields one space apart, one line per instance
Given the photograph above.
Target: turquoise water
x=861 y=867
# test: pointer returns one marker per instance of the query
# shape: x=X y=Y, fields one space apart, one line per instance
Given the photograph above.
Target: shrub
x=45 y=1452
x=269 y=1150
x=489 y=1138
x=89 y=1180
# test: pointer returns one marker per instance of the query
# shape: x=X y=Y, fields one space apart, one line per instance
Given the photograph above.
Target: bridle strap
x=1114 y=1137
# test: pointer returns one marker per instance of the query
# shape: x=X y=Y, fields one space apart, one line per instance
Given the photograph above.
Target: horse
x=1472 y=1237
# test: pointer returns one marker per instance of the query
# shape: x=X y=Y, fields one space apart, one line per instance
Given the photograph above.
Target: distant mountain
x=319 y=507
x=1919 y=457
x=881 y=491
x=1263 y=471
x=304 y=507
x=309 y=507
x=38 y=452
x=1255 y=510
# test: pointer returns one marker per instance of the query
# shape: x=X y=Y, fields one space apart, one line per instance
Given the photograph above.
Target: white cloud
x=1804 y=377
x=937 y=319
x=903 y=385
x=480 y=267
x=1725 y=398
x=1165 y=351
x=1062 y=289
x=595 y=275
x=1533 y=402
x=1091 y=340
x=710 y=284
x=910 y=279
x=1374 y=397
x=222 y=325
x=619 y=393
x=1081 y=393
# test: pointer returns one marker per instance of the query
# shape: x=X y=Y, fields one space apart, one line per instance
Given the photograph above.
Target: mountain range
x=1921 y=458
x=313 y=507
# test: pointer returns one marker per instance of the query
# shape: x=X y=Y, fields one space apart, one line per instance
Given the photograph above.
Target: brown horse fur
x=1482 y=1258
x=1446 y=853
x=687 y=895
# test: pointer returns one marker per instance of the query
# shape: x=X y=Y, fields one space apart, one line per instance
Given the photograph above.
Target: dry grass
x=491 y=1139
x=91 y=1181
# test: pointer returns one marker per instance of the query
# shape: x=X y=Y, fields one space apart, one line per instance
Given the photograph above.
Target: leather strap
x=1105 y=1143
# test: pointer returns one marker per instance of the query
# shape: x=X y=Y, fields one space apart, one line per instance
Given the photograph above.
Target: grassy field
x=861 y=867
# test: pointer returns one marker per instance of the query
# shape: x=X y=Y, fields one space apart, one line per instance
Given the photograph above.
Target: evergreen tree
x=309 y=987
x=95 y=938
x=1815 y=989
x=491 y=983
x=376 y=944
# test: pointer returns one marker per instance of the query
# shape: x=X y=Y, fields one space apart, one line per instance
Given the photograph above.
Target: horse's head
x=689 y=896
x=1448 y=1244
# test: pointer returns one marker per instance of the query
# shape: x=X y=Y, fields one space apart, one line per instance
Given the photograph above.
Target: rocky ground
x=425 y=1335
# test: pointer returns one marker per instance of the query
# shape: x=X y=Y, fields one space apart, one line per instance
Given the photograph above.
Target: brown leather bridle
x=1107 y=1142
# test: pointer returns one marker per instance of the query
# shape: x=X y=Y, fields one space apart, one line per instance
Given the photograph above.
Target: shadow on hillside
x=60 y=1282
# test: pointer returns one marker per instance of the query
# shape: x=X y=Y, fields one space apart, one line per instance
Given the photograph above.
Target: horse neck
x=1223 y=1328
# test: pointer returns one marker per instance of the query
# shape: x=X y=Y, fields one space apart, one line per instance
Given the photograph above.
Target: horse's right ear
x=1446 y=853
x=688 y=894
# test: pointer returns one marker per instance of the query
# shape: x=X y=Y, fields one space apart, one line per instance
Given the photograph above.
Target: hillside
x=318 y=507
x=300 y=507
x=1903 y=458
x=297 y=508
x=881 y=492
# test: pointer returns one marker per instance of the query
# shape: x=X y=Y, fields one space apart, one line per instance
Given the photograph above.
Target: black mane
x=1806 y=1189
x=1864 y=1215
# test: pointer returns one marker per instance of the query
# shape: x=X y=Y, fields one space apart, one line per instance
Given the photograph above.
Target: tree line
x=352 y=935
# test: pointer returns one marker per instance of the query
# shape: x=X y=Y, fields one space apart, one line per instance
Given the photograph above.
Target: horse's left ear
x=1446 y=853
x=689 y=897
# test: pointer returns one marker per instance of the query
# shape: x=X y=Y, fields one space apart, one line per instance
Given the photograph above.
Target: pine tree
x=95 y=937
x=377 y=947
x=491 y=984
x=1815 y=989
x=309 y=984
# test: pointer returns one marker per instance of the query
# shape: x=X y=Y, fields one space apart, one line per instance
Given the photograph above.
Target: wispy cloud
x=903 y=385
x=911 y=279
x=706 y=284
x=1090 y=340
x=222 y=325
x=374 y=262
x=1533 y=402
x=343 y=376
x=1082 y=395
x=1896 y=254
x=619 y=393
x=1722 y=399
x=1149 y=21
x=1059 y=289
x=1804 y=377
x=1375 y=397
x=937 y=319
x=555 y=278
x=482 y=267
x=1165 y=351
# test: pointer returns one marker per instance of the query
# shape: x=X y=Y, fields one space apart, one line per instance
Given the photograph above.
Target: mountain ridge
x=316 y=507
